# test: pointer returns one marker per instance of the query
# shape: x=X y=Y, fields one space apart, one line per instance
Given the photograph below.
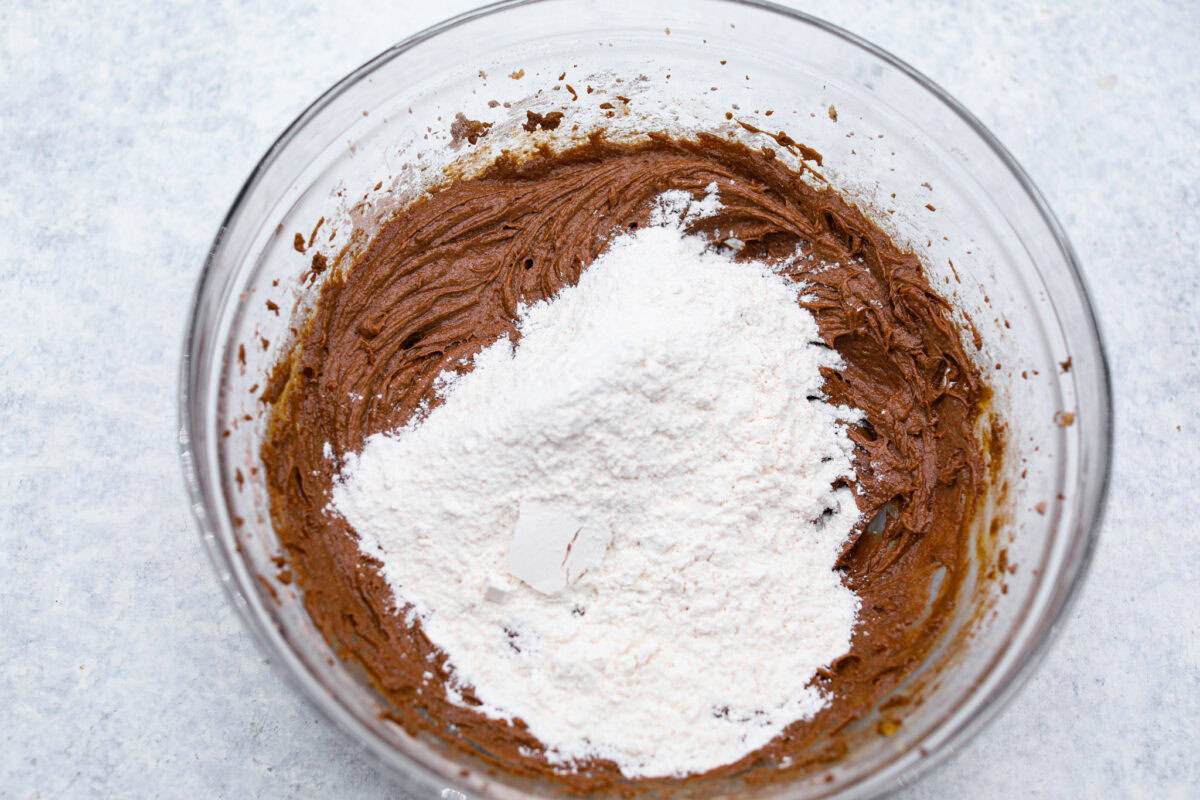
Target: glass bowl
x=891 y=141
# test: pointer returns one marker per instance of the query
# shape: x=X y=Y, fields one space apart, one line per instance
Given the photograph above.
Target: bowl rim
x=975 y=711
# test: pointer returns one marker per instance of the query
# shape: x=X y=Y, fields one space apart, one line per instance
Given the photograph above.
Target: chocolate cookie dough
x=443 y=278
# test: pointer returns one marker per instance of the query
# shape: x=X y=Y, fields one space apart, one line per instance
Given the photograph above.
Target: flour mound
x=667 y=409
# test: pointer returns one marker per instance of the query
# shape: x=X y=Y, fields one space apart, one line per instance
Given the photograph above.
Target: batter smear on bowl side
x=629 y=463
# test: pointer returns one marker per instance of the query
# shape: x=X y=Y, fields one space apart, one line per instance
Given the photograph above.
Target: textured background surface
x=126 y=132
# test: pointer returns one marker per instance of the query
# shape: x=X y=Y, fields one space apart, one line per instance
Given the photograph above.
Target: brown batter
x=443 y=278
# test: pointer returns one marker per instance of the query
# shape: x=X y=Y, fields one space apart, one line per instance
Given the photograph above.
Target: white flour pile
x=615 y=529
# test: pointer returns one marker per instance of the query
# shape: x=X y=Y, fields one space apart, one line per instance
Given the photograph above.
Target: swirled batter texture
x=443 y=278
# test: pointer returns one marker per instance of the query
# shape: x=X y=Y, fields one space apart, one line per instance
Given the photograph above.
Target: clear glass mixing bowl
x=904 y=150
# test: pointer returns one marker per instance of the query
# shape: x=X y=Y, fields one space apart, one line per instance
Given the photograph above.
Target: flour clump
x=623 y=527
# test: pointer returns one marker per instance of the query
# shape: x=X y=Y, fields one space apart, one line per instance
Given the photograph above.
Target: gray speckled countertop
x=125 y=132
